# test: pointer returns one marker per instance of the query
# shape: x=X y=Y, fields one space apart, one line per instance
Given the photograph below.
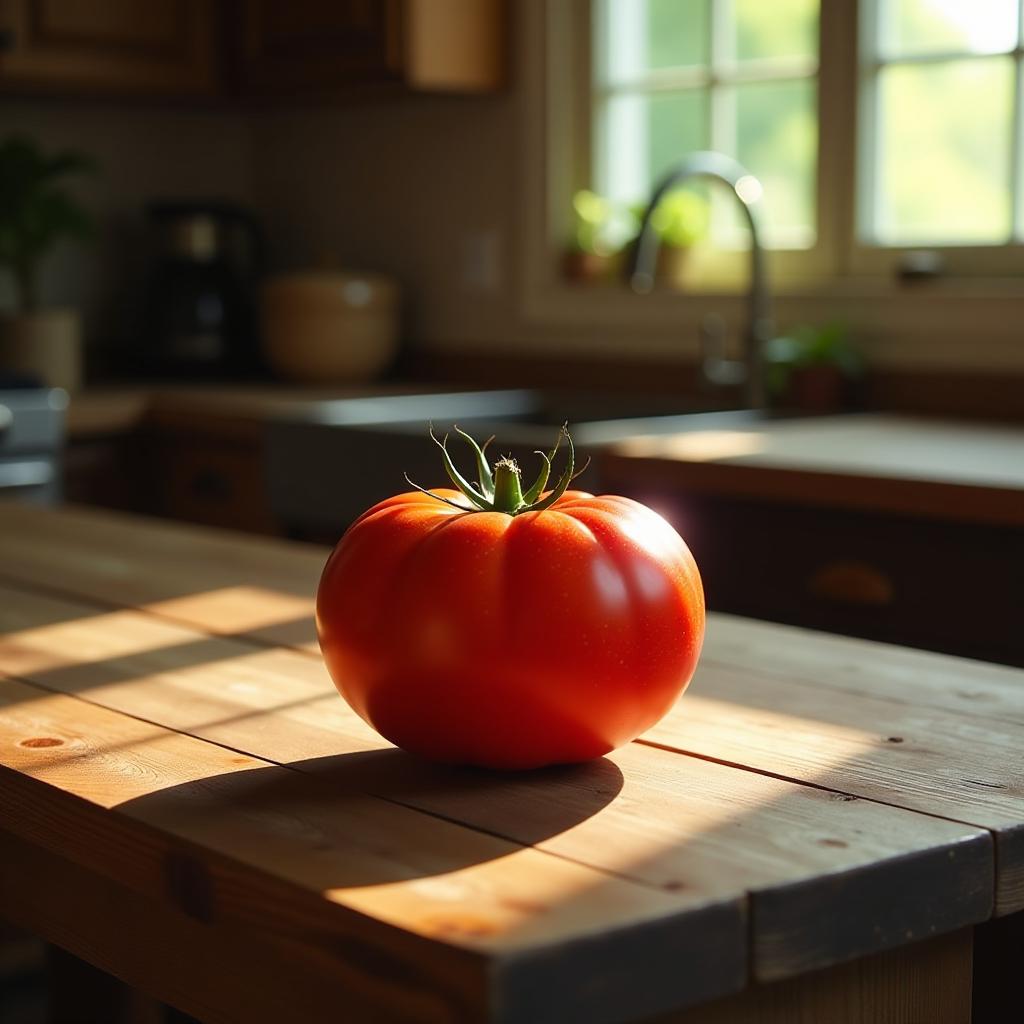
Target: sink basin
x=327 y=467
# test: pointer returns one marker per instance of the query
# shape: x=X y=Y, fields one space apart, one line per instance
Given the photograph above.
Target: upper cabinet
x=316 y=46
x=109 y=47
x=298 y=49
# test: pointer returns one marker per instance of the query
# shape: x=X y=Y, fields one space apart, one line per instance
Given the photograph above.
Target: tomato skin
x=510 y=641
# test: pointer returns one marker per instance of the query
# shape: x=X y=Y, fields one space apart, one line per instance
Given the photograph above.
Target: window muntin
x=738 y=76
x=940 y=139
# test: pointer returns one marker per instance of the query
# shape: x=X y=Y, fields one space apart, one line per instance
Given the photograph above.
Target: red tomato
x=511 y=641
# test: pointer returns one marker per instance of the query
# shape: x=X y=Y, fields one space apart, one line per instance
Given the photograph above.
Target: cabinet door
x=105 y=47
x=950 y=587
x=317 y=46
x=209 y=480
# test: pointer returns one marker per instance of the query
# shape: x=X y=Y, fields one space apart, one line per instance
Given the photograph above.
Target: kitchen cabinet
x=940 y=586
x=200 y=476
x=326 y=48
x=203 y=478
x=195 y=453
x=885 y=527
x=109 y=47
x=304 y=49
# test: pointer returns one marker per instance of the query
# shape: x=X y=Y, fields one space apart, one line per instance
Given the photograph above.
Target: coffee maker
x=200 y=311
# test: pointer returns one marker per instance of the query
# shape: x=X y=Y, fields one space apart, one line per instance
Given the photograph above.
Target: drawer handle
x=850 y=582
x=211 y=485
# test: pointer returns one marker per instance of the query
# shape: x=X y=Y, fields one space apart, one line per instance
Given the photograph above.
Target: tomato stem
x=508 y=494
x=501 y=491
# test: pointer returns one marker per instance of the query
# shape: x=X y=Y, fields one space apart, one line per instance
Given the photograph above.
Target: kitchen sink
x=327 y=466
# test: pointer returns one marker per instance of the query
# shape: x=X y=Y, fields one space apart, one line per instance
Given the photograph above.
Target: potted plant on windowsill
x=36 y=213
x=681 y=221
x=813 y=368
x=600 y=231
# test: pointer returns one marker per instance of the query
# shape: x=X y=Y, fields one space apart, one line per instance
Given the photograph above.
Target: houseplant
x=813 y=368
x=680 y=220
x=600 y=229
x=36 y=213
x=605 y=231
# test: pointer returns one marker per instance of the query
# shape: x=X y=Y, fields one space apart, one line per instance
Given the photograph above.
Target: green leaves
x=499 y=490
x=35 y=210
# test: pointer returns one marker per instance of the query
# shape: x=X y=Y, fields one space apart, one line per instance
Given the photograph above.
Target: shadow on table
x=378 y=816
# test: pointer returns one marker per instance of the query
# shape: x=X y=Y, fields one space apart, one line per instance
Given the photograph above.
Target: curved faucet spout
x=747 y=190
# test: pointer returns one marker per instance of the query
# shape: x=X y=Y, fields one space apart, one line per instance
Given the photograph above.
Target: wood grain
x=865 y=667
x=676 y=823
x=463 y=918
x=215 y=580
x=217 y=972
x=280 y=705
x=915 y=756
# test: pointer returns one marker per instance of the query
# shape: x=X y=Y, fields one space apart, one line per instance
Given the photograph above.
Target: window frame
x=958 y=261
x=723 y=270
x=849 y=281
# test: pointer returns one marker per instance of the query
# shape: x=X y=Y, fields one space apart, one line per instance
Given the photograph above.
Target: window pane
x=944 y=152
x=908 y=27
x=643 y=35
x=677 y=33
x=779 y=29
x=777 y=141
x=645 y=135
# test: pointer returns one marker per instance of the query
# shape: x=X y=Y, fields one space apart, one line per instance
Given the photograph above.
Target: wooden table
x=186 y=803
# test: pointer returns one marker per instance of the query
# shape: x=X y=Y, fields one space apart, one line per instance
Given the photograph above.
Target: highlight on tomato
x=488 y=625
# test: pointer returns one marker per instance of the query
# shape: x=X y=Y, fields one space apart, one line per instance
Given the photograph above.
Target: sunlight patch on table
x=235 y=609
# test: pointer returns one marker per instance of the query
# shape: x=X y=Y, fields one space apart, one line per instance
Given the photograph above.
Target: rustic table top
x=172 y=751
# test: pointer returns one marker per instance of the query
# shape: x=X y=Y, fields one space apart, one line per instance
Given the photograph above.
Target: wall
x=141 y=153
x=433 y=190
x=436 y=191
x=428 y=189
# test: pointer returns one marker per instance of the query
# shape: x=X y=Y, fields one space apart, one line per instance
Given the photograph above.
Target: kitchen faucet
x=747 y=189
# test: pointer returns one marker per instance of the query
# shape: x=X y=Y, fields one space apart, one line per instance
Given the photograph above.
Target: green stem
x=508 y=494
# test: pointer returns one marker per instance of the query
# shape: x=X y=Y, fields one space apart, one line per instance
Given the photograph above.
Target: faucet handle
x=716 y=369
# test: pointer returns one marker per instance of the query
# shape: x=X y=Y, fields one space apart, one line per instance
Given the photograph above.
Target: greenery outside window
x=878 y=128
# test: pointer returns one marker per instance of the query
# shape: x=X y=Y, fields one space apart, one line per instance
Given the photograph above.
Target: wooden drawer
x=944 y=587
x=216 y=482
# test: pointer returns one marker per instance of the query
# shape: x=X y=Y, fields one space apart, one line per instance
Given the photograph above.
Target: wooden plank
x=866 y=667
x=462 y=918
x=215 y=580
x=677 y=823
x=219 y=973
x=169 y=953
x=950 y=765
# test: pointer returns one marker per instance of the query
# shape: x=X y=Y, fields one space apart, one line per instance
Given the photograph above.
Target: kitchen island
x=819 y=830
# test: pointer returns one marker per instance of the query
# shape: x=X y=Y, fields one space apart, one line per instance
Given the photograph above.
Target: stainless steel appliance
x=31 y=441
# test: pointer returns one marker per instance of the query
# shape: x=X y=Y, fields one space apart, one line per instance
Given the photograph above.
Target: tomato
x=510 y=639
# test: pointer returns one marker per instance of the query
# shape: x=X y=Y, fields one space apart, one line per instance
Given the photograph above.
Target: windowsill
x=949 y=323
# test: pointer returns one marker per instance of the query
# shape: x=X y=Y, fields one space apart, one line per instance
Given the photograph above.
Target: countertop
x=922 y=467
x=176 y=765
x=107 y=411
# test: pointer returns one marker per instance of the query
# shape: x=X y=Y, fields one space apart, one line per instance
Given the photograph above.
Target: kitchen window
x=673 y=76
x=888 y=134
